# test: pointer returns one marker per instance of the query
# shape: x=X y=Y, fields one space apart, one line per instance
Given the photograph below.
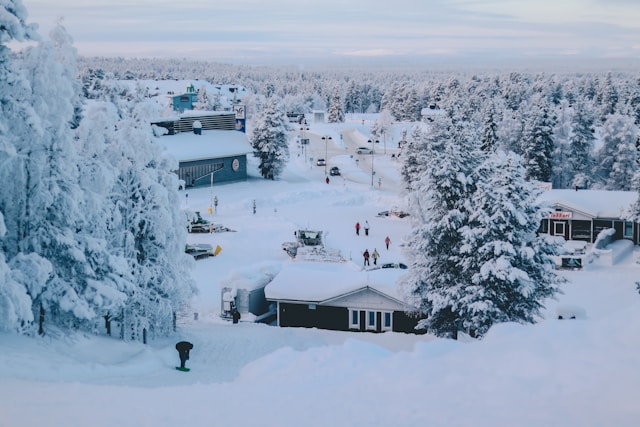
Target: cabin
x=580 y=215
x=340 y=297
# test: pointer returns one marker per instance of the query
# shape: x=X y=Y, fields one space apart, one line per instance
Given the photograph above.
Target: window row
x=369 y=319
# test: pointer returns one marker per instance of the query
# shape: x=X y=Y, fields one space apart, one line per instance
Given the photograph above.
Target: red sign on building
x=560 y=215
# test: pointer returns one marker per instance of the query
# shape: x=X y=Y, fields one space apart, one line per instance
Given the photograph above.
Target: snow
x=595 y=203
x=569 y=372
x=187 y=146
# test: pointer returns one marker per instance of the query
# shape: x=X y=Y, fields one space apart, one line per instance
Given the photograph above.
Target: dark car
x=334 y=171
x=393 y=212
x=394 y=265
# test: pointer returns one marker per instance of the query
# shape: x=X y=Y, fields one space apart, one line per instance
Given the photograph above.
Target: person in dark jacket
x=366 y=257
x=183 y=348
x=236 y=315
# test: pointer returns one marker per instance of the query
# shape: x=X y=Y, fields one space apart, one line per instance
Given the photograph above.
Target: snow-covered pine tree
x=17 y=122
x=615 y=157
x=148 y=229
x=75 y=292
x=511 y=267
x=269 y=140
x=336 y=111
x=538 y=143
x=22 y=277
x=581 y=143
x=435 y=283
x=415 y=157
x=562 y=173
x=489 y=137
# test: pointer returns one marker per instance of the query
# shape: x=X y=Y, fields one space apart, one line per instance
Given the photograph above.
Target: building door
x=559 y=228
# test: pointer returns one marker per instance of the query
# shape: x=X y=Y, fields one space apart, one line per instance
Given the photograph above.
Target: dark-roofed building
x=340 y=296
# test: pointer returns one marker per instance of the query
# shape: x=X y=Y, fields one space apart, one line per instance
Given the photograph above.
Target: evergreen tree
x=617 y=153
x=581 y=143
x=489 y=130
x=335 y=113
x=269 y=140
x=562 y=173
x=74 y=293
x=538 y=144
x=22 y=277
x=435 y=283
x=511 y=267
x=148 y=229
x=414 y=158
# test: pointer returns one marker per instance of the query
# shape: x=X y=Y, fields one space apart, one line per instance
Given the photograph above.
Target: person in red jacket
x=357 y=228
x=366 y=257
x=387 y=240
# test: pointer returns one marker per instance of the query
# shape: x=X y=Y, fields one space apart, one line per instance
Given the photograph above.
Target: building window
x=371 y=320
x=354 y=319
x=387 y=321
x=628 y=230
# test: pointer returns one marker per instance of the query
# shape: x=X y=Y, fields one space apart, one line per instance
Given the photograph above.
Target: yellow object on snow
x=217 y=251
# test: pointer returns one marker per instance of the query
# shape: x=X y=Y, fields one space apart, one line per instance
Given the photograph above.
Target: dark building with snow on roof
x=581 y=215
x=207 y=147
x=341 y=297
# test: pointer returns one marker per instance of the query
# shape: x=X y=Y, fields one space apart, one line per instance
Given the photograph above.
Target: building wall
x=588 y=230
x=337 y=318
x=197 y=173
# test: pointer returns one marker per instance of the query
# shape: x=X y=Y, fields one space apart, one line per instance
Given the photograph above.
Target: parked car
x=364 y=150
x=321 y=162
x=393 y=212
x=394 y=265
x=334 y=171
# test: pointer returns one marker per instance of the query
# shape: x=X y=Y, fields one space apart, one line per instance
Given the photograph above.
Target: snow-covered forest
x=91 y=230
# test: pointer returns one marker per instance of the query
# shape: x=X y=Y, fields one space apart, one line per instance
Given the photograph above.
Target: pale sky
x=297 y=32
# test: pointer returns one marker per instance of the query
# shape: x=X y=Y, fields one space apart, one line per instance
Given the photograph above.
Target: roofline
x=328 y=300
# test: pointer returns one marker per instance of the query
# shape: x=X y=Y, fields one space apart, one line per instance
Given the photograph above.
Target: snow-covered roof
x=187 y=146
x=188 y=114
x=593 y=203
x=316 y=282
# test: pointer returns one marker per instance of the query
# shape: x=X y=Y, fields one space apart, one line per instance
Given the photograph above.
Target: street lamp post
x=372 y=150
x=326 y=139
x=304 y=141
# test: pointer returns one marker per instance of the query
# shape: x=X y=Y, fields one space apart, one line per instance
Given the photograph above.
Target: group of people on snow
x=375 y=255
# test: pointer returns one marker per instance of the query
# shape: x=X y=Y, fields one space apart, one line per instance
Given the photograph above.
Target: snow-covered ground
x=581 y=372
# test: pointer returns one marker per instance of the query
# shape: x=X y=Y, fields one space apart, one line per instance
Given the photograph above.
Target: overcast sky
x=293 y=31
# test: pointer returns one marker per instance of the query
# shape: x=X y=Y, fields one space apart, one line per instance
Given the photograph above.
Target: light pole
x=304 y=141
x=326 y=139
x=372 y=150
x=212 y=198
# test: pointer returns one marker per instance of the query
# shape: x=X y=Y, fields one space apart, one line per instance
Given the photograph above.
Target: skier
x=366 y=228
x=366 y=257
x=387 y=240
x=183 y=348
x=375 y=256
x=357 y=228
